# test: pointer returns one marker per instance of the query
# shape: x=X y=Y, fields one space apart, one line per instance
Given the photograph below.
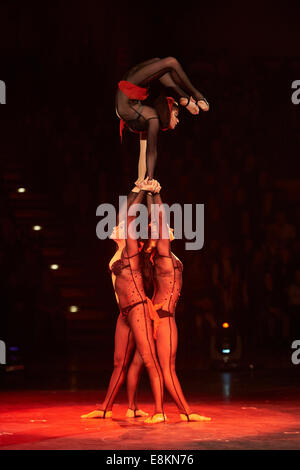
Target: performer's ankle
x=104 y=408
x=185 y=411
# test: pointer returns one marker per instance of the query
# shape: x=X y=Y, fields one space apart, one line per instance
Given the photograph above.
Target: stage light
x=36 y=228
x=54 y=266
x=225 y=325
x=73 y=308
x=21 y=190
x=225 y=351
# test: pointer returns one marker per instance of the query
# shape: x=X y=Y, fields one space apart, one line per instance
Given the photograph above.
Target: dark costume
x=133 y=91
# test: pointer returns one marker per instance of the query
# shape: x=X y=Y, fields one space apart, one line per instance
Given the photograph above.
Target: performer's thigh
x=150 y=71
x=139 y=66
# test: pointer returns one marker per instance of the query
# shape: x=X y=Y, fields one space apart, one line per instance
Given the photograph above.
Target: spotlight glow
x=225 y=325
x=73 y=308
x=225 y=351
x=54 y=266
x=36 y=228
x=21 y=190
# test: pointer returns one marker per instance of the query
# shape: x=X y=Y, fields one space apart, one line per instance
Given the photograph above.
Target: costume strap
x=122 y=125
x=131 y=256
x=154 y=315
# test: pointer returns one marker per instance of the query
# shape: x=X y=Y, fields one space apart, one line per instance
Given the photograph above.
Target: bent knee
x=148 y=361
x=137 y=362
x=171 y=62
x=120 y=363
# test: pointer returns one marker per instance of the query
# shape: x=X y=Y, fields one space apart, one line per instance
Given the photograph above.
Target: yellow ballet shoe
x=156 y=418
x=135 y=413
x=97 y=414
x=193 y=417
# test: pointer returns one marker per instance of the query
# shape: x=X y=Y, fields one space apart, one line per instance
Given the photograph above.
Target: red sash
x=133 y=92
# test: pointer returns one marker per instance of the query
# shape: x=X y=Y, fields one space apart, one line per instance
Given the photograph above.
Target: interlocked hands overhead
x=150 y=185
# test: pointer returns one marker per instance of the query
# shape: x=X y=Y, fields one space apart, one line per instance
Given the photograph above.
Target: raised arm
x=125 y=206
x=142 y=158
x=148 y=150
x=163 y=244
x=132 y=247
x=151 y=151
x=131 y=241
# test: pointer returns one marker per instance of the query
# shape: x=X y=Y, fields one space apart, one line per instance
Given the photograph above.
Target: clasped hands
x=150 y=185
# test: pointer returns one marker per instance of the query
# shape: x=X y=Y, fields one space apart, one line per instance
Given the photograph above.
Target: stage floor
x=257 y=418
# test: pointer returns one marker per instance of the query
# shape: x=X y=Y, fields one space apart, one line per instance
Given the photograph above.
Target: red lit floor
x=51 y=420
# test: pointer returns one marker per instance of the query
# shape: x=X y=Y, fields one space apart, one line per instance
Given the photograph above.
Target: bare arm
x=142 y=158
x=151 y=150
x=141 y=176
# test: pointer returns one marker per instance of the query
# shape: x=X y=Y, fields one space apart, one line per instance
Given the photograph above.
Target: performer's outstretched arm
x=142 y=168
x=131 y=241
x=141 y=176
x=151 y=152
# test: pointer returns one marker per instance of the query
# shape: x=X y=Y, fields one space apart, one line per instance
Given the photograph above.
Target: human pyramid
x=146 y=275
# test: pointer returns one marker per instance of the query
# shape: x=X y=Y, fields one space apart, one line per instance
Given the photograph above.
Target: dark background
x=60 y=140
